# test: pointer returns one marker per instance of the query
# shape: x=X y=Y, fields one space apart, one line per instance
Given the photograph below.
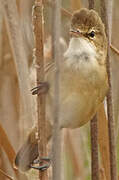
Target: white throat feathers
x=81 y=54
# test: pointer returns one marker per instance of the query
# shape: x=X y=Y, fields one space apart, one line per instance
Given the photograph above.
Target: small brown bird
x=83 y=80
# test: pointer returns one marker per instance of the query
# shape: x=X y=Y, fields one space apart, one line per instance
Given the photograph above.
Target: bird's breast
x=80 y=95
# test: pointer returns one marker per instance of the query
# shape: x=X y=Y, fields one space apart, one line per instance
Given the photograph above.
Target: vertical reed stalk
x=111 y=123
x=91 y=4
x=39 y=56
x=103 y=139
x=56 y=148
x=94 y=149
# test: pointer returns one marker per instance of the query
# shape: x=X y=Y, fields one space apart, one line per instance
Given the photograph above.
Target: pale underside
x=83 y=85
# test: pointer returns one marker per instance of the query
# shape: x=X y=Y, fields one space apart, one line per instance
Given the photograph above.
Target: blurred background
x=18 y=111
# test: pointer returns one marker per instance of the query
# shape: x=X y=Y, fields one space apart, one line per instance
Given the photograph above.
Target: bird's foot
x=40 y=89
x=41 y=161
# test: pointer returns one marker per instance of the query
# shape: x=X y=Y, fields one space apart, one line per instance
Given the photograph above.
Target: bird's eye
x=91 y=34
x=78 y=31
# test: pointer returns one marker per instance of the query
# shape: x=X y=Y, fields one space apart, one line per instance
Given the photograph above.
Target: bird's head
x=88 y=35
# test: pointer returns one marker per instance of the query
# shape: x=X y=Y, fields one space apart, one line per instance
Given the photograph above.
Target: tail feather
x=26 y=155
x=29 y=150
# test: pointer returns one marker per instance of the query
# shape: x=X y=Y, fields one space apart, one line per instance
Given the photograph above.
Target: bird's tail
x=29 y=150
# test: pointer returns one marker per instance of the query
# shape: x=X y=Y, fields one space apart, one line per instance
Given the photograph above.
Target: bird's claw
x=42 y=167
x=40 y=89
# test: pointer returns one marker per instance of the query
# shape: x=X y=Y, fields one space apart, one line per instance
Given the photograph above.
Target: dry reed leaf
x=6 y=145
x=73 y=155
x=6 y=175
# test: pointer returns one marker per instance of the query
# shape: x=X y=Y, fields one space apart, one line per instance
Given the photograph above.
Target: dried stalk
x=109 y=6
x=91 y=4
x=103 y=138
x=94 y=149
x=1 y=37
x=6 y=175
x=39 y=56
x=94 y=135
x=56 y=148
x=111 y=123
x=13 y=28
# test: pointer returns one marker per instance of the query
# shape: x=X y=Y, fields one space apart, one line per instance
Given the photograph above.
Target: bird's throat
x=80 y=49
x=81 y=54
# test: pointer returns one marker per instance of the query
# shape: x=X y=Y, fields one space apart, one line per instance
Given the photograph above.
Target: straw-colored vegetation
x=19 y=72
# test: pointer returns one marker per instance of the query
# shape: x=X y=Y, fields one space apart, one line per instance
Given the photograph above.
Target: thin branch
x=6 y=175
x=66 y=12
x=111 y=123
x=94 y=135
x=56 y=148
x=114 y=49
x=39 y=55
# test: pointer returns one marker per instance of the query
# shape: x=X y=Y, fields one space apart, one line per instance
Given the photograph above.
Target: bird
x=83 y=81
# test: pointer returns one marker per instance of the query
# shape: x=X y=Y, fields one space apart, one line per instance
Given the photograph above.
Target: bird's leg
x=41 y=88
x=42 y=167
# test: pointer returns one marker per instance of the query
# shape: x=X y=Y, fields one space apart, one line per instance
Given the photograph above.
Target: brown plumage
x=28 y=152
x=83 y=78
x=87 y=18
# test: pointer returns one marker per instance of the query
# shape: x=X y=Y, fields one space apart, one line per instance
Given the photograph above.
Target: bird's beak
x=74 y=33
